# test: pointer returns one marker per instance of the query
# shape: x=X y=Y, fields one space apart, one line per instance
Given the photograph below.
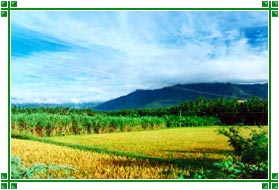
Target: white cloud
x=114 y=53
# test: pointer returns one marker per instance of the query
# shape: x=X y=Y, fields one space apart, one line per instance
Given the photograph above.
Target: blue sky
x=96 y=56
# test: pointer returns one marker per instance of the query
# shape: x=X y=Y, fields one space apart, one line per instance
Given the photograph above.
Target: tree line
x=225 y=111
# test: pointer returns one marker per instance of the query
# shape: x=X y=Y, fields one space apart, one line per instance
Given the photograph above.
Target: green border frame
x=8 y=6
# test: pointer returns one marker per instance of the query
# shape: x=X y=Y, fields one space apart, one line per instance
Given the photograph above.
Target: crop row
x=46 y=124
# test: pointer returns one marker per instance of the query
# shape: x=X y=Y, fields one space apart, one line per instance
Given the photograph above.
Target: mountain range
x=168 y=96
x=174 y=95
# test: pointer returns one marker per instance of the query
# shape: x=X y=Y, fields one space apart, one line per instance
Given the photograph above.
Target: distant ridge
x=84 y=105
x=174 y=95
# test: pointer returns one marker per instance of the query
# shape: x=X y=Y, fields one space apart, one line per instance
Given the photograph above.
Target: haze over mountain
x=174 y=95
x=83 y=105
x=113 y=53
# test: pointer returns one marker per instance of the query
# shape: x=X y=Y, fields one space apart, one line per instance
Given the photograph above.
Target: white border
x=136 y=4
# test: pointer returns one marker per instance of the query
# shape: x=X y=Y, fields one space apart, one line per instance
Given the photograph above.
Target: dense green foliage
x=45 y=124
x=229 y=111
x=248 y=161
x=251 y=150
x=38 y=170
x=190 y=121
x=64 y=121
x=233 y=169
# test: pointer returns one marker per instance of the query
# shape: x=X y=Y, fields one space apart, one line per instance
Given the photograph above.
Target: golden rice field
x=193 y=146
x=90 y=165
x=195 y=142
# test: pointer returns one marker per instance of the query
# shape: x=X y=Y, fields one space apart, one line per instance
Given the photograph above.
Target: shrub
x=249 y=159
x=232 y=169
x=251 y=150
x=38 y=170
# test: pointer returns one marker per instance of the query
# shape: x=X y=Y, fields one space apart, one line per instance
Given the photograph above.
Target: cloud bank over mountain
x=100 y=55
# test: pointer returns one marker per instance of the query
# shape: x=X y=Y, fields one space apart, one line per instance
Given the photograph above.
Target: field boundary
x=98 y=149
